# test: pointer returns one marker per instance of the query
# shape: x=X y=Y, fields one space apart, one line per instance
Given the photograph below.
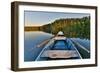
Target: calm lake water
x=32 y=39
x=83 y=42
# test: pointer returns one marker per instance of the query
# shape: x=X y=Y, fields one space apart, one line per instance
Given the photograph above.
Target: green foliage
x=72 y=27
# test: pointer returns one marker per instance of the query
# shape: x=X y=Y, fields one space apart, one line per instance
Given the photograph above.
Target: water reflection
x=30 y=41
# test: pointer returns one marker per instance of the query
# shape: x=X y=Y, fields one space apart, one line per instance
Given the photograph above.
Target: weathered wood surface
x=60 y=53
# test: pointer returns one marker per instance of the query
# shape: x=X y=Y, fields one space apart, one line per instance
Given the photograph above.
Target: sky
x=39 y=18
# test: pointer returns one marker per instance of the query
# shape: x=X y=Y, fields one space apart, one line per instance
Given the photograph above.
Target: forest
x=72 y=27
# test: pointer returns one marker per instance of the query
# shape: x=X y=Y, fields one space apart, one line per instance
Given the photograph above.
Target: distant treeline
x=31 y=28
x=72 y=27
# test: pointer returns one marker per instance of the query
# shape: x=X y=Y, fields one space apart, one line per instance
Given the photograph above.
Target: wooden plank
x=59 y=53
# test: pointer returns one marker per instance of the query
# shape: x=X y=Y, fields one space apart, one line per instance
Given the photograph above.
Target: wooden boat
x=54 y=50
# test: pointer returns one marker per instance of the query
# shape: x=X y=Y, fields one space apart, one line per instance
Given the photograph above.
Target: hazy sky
x=37 y=18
